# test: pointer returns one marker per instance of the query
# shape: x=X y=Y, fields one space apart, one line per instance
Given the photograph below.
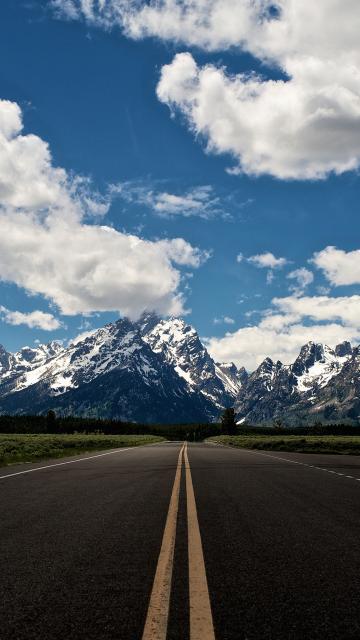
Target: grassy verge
x=31 y=448
x=302 y=444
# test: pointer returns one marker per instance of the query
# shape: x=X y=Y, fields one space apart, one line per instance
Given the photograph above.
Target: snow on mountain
x=180 y=345
x=317 y=364
x=264 y=392
x=115 y=346
x=319 y=385
x=231 y=377
x=114 y=359
x=4 y=361
x=17 y=366
x=158 y=354
x=159 y=370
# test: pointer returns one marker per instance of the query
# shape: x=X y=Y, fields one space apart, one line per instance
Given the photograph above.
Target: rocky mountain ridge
x=158 y=370
x=321 y=385
x=152 y=370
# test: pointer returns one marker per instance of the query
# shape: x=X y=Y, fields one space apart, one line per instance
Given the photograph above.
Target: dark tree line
x=50 y=423
x=58 y=425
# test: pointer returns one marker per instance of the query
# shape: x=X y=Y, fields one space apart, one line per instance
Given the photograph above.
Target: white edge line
x=61 y=464
x=269 y=455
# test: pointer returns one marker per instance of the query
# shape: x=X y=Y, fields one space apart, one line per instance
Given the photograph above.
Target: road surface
x=182 y=542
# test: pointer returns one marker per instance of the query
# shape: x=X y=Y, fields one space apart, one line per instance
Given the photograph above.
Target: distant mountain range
x=323 y=384
x=158 y=370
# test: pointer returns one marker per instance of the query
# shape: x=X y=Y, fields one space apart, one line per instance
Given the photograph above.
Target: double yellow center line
x=201 y=623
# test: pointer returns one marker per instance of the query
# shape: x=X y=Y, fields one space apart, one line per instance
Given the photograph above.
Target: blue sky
x=89 y=91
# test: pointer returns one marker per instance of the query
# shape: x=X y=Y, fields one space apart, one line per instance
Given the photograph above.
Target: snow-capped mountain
x=27 y=358
x=320 y=385
x=156 y=370
x=179 y=344
x=120 y=371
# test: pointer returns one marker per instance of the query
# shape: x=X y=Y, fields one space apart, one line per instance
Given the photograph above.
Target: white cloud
x=28 y=179
x=221 y=24
x=303 y=126
x=32 y=319
x=195 y=202
x=211 y=24
x=339 y=267
x=267 y=261
x=48 y=249
x=345 y=309
x=302 y=277
x=199 y=201
x=224 y=320
x=249 y=346
x=286 y=326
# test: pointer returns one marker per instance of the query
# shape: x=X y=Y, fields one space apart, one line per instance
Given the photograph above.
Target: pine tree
x=51 y=421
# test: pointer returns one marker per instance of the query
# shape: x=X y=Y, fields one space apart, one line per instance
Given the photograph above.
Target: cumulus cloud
x=267 y=260
x=303 y=126
x=295 y=128
x=47 y=247
x=32 y=319
x=28 y=179
x=249 y=346
x=345 y=309
x=286 y=326
x=339 y=267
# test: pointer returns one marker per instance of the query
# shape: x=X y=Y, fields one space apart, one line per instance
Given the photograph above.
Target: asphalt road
x=85 y=546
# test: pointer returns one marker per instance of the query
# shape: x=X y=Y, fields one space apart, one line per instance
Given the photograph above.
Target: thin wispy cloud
x=224 y=320
x=265 y=260
x=302 y=278
x=201 y=201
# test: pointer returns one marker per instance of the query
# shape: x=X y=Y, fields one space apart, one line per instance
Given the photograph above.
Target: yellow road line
x=158 y=611
x=201 y=622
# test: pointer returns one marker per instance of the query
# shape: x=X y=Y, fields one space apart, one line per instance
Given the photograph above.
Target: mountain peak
x=147 y=321
x=266 y=365
x=343 y=349
x=121 y=327
x=179 y=343
x=310 y=353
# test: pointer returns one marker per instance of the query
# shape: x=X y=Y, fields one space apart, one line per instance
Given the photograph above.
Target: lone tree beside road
x=51 y=421
x=228 y=421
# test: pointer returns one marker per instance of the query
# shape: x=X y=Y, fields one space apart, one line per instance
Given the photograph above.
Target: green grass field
x=31 y=448
x=302 y=444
